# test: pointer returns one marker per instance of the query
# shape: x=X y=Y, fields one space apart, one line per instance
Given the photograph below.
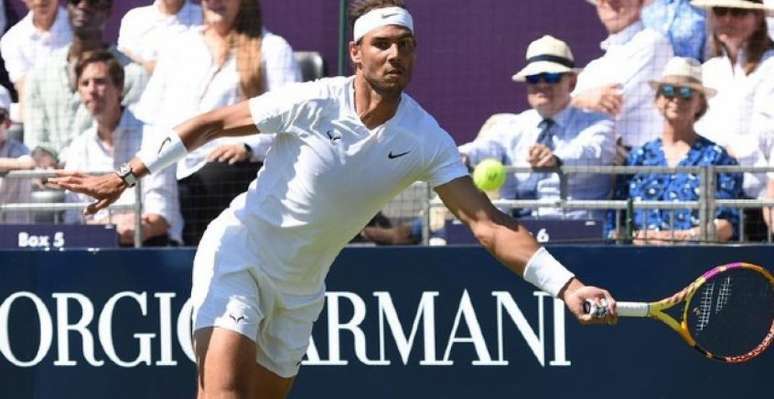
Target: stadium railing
x=418 y=202
x=61 y=206
x=706 y=204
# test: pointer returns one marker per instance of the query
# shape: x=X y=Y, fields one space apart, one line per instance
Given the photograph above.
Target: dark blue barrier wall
x=96 y=309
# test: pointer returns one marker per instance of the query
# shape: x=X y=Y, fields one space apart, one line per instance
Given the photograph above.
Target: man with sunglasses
x=552 y=133
x=617 y=82
x=54 y=113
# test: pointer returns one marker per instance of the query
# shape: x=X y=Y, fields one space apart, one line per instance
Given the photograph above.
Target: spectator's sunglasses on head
x=734 y=12
x=551 y=78
x=672 y=91
x=90 y=3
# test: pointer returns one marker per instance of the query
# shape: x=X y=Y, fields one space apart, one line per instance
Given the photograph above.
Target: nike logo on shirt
x=393 y=156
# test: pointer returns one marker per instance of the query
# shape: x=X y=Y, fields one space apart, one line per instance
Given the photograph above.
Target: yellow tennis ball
x=489 y=175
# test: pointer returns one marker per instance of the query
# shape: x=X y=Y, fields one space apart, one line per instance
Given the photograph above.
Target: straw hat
x=747 y=4
x=547 y=55
x=680 y=71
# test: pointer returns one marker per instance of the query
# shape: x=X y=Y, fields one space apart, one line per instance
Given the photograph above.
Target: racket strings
x=731 y=314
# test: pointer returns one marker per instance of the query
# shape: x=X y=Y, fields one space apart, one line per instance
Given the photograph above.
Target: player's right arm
x=234 y=120
x=515 y=247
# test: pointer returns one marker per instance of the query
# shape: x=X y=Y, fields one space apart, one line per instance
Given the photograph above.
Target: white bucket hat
x=680 y=71
x=746 y=4
x=547 y=55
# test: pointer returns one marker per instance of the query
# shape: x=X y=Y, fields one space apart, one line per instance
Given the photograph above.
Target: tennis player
x=348 y=145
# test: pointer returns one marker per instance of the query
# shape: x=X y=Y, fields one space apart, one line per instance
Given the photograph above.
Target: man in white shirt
x=13 y=156
x=145 y=30
x=44 y=29
x=617 y=82
x=260 y=269
x=115 y=139
x=52 y=108
x=551 y=134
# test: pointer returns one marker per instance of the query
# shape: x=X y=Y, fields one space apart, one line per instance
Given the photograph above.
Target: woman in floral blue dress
x=682 y=99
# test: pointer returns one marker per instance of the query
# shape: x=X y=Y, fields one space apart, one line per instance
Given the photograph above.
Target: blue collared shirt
x=579 y=138
x=682 y=23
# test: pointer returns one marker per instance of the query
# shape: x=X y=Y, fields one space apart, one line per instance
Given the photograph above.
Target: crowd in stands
x=679 y=83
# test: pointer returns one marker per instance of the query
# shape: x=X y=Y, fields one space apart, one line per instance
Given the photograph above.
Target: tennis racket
x=728 y=313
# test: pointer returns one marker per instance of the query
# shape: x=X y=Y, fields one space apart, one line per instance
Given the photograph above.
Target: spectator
x=552 y=133
x=13 y=156
x=684 y=25
x=145 y=30
x=114 y=140
x=681 y=99
x=53 y=110
x=741 y=70
x=43 y=30
x=617 y=82
x=230 y=58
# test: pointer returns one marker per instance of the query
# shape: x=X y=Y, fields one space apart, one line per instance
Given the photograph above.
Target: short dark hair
x=360 y=7
x=115 y=70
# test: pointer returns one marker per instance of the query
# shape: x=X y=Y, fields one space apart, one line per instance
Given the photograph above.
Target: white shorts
x=231 y=294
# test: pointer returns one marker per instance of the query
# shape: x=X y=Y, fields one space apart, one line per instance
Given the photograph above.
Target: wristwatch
x=126 y=174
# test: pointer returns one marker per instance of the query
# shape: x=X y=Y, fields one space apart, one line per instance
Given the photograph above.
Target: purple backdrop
x=467 y=49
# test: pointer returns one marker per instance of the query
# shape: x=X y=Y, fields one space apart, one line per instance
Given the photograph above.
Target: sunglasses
x=734 y=12
x=551 y=78
x=672 y=91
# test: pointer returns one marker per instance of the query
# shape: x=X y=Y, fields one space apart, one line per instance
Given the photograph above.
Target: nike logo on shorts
x=393 y=156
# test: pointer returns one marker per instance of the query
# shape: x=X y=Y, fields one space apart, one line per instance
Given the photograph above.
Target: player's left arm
x=234 y=120
x=513 y=246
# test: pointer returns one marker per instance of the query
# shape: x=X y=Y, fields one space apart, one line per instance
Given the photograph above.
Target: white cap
x=547 y=54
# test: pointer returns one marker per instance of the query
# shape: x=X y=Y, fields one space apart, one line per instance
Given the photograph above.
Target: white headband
x=382 y=17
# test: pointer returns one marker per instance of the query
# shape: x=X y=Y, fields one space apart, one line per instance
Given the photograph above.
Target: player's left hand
x=105 y=189
x=575 y=295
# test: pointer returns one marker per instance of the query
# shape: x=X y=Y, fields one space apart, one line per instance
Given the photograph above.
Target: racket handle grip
x=624 y=309
x=632 y=309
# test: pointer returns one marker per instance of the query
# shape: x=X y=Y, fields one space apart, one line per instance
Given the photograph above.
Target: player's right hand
x=575 y=296
x=105 y=189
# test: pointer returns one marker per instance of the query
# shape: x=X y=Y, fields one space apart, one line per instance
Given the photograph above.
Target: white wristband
x=167 y=153
x=546 y=273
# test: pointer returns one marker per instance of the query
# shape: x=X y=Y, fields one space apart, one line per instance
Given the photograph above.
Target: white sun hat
x=746 y=4
x=681 y=71
x=547 y=55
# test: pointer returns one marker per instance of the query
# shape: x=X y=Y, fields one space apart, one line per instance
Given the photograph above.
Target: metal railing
x=706 y=203
x=135 y=207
